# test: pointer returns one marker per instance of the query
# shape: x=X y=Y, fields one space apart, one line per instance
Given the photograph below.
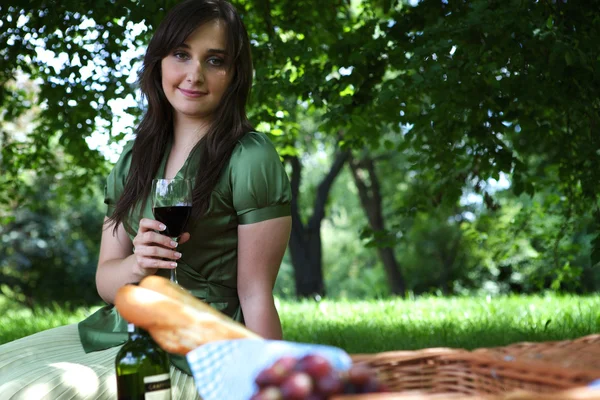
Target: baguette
x=175 y=291
x=178 y=325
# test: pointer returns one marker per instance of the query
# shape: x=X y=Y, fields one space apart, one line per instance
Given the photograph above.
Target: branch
x=364 y=162
x=363 y=190
x=370 y=196
x=325 y=187
x=375 y=187
x=355 y=165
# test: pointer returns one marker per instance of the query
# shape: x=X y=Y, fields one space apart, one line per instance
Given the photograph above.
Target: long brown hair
x=156 y=128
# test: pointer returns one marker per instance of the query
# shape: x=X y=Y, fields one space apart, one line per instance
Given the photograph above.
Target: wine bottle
x=142 y=368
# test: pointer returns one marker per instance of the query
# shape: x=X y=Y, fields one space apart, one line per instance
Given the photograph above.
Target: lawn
x=393 y=324
x=467 y=322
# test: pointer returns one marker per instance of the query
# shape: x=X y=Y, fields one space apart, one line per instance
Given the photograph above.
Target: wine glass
x=172 y=205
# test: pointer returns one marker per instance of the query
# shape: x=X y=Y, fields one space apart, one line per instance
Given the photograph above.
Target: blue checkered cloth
x=595 y=385
x=226 y=370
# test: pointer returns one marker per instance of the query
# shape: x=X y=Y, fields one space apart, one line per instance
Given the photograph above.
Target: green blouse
x=253 y=187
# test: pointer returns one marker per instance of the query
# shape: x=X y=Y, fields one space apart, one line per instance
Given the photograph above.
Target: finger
x=184 y=237
x=147 y=224
x=153 y=263
x=157 y=252
x=153 y=238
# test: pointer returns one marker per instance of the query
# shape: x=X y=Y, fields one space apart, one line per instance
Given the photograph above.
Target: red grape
x=276 y=373
x=315 y=365
x=330 y=384
x=268 y=376
x=313 y=378
x=297 y=386
x=284 y=365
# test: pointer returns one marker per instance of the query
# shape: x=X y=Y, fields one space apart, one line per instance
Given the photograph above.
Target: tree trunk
x=305 y=239
x=306 y=252
x=370 y=198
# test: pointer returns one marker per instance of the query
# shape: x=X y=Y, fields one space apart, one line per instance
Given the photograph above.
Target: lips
x=192 y=93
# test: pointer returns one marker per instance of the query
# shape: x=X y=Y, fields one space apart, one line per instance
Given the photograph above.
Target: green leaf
x=569 y=58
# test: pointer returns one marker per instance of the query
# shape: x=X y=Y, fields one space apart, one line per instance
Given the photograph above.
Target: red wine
x=174 y=218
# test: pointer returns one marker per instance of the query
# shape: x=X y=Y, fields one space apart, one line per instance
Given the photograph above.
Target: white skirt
x=52 y=365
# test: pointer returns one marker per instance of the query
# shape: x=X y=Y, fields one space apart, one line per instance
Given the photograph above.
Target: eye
x=181 y=55
x=216 y=61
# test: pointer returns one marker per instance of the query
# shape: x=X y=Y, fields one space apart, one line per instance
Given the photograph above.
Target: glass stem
x=174 y=270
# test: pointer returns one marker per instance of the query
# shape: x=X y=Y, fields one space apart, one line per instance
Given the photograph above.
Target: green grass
x=16 y=322
x=375 y=326
x=391 y=324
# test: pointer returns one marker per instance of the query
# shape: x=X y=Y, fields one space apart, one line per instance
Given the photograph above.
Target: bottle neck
x=136 y=332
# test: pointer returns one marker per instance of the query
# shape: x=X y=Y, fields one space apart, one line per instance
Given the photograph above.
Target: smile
x=192 y=93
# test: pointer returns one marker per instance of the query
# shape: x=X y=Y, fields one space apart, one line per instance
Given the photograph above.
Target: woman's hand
x=153 y=250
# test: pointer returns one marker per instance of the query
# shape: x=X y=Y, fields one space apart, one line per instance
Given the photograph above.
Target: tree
x=292 y=40
x=507 y=86
x=305 y=239
x=71 y=106
x=485 y=86
x=49 y=250
x=370 y=194
x=479 y=101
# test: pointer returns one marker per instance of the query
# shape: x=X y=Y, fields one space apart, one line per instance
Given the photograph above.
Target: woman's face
x=196 y=74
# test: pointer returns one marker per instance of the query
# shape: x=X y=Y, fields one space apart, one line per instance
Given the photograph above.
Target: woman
x=196 y=77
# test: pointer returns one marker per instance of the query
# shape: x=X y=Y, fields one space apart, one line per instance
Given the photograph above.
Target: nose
x=195 y=73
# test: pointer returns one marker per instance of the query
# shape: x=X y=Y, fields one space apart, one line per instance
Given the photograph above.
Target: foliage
x=496 y=84
x=511 y=86
x=49 y=251
x=521 y=245
x=71 y=105
x=487 y=87
x=465 y=91
x=528 y=246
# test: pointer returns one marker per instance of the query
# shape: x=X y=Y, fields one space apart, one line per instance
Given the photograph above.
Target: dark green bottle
x=142 y=368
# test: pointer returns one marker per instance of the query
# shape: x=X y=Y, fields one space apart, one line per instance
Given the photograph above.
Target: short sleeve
x=260 y=185
x=116 y=179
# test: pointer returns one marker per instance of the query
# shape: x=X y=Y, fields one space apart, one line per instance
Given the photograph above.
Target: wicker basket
x=548 y=370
